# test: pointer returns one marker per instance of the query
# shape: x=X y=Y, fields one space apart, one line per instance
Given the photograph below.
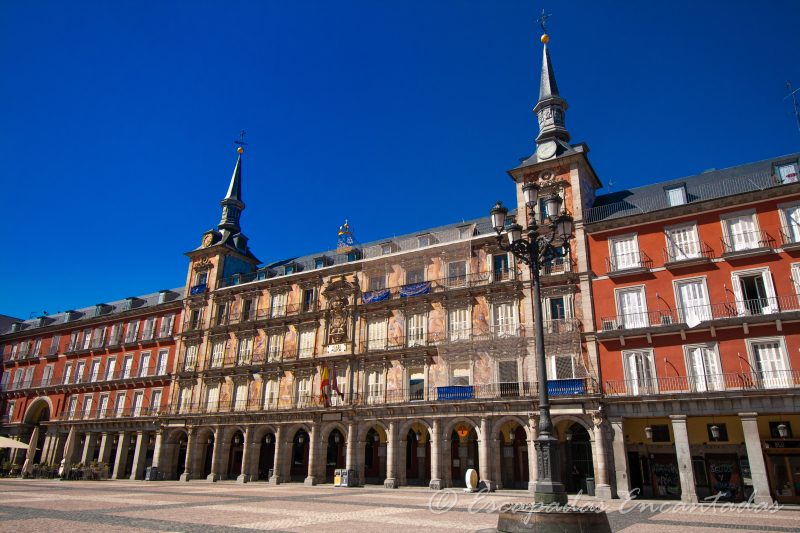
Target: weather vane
x=542 y=20
x=241 y=142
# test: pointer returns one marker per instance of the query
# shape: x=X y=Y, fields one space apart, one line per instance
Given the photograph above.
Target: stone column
x=602 y=488
x=122 y=455
x=391 y=451
x=401 y=449
x=313 y=451
x=533 y=465
x=684 y=453
x=105 y=447
x=215 y=455
x=244 y=476
x=277 y=467
x=30 y=454
x=447 y=461
x=498 y=445
x=49 y=438
x=139 y=455
x=351 y=446
x=187 y=462
x=69 y=450
x=157 y=452
x=436 y=451
x=623 y=485
x=52 y=450
x=484 y=466
x=88 y=448
x=758 y=468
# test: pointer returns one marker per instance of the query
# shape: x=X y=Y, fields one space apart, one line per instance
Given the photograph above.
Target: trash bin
x=343 y=478
x=590 y=486
x=352 y=478
x=151 y=473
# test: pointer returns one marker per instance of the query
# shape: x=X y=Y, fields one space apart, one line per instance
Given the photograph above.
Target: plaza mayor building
x=671 y=327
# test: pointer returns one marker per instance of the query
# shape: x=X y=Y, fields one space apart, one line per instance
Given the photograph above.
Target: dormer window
x=201 y=278
x=465 y=232
x=319 y=262
x=424 y=240
x=787 y=172
x=386 y=248
x=353 y=255
x=676 y=195
x=289 y=269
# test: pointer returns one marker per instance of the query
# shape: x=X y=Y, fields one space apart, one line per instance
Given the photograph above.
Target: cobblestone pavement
x=132 y=506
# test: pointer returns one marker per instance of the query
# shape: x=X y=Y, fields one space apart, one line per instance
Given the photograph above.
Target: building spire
x=550 y=109
x=232 y=204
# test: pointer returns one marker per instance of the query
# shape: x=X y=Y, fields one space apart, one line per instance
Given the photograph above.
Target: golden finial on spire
x=241 y=142
x=542 y=20
x=240 y=150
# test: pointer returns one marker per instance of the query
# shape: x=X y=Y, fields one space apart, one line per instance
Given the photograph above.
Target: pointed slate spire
x=232 y=204
x=550 y=109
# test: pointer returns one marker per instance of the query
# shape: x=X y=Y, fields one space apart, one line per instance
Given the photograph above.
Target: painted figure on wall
x=337 y=332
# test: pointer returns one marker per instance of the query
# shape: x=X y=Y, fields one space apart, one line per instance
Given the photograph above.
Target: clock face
x=207 y=240
x=546 y=150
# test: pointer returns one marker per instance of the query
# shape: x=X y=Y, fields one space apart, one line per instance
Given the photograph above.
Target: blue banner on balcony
x=375 y=296
x=565 y=387
x=415 y=289
x=198 y=289
x=462 y=392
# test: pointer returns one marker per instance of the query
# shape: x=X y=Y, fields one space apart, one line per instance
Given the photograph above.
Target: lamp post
x=550 y=238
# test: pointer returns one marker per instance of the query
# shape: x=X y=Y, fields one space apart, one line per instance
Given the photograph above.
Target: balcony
x=747 y=244
x=509 y=332
x=243 y=317
x=689 y=254
x=755 y=381
x=559 y=266
x=628 y=264
x=198 y=289
x=100 y=381
x=790 y=237
x=745 y=310
x=110 y=413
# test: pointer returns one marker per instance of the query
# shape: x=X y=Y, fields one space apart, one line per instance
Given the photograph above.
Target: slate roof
x=705 y=186
x=108 y=310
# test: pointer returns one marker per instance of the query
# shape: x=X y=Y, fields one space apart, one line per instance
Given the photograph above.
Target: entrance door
x=784 y=477
x=266 y=458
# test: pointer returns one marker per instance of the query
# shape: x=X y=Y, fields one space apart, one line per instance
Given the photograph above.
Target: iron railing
x=119 y=374
x=742 y=243
x=779 y=379
x=790 y=235
x=628 y=261
x=110 y=412
x=691 y=251
x=695 y=315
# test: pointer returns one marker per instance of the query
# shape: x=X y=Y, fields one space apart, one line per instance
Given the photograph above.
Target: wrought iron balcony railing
x=689 y=252
x=628 y=262
x=747 y=242
x=780 y=379
x=72 y=380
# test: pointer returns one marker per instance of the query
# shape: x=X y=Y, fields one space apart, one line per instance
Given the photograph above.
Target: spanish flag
x=325 y=386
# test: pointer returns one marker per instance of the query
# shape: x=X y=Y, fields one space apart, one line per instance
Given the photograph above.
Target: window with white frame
x=241 y=397
x=340 y=381
x=632 y=308
x=796 y=278
x=149 y=328
x=563 y=366
x=37 y=347
x=278 y=304
x=111 y=365
x=138 y=400
x=55 y=345
x=458 y=324
x=377 y=282
x=682 y=242
x=166 y=326
x=87 y=406
x=244 y=355
x=624 y=252
x=457 y=273
x=376 y=334
x=29 y=376
x=161 y=365
x=676 y=195
x=788 y=172
x=72 y=406
x=184 y=399
x=119 y=405
x=67 y=373
x=275 y=346
x=304 y=396
x=144 y=364
x=87 y=339
x=703 y=368
x=47 y=375
x=416 y=384
x=98 y=337
x=415 y=275
x=212 y=398
x=693 y=304
x=102 y=406
x=460 y=374
x=306 y=348
x=416 y=329
x=504 y=319
x=741 y=232
x=73 y=341
x=127 y=366
x=754 y=291
x=218 y=352
x=79 y=368
x=271 y=395
x=94 y=370
x=18 y=375
x=640 y=372
x=132 y=333
x=4 y=381
x=10 y=410
x=557 y=313
x=500 y=265
x=375 y=386
x=113 y=338
x=791 y=223
x=769 y=359
x=155 y=401
x=190 y=358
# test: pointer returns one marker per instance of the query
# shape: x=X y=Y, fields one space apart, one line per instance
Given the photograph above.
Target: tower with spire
x=224 y=251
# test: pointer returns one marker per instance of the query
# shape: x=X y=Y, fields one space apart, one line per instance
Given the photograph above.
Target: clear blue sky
x=117 y=119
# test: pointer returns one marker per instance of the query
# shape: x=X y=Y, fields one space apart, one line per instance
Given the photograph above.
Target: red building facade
x=697 y=319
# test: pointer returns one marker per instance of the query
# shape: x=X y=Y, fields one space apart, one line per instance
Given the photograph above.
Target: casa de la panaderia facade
x=409 y=360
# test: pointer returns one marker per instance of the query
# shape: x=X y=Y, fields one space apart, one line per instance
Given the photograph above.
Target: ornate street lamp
x=551 y=239
x=568 y=435
x=783 y=430
x=648 y=432
x=268 y=438
x=714 y=432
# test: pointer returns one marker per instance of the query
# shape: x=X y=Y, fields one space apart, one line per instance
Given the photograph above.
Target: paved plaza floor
x=130 y=506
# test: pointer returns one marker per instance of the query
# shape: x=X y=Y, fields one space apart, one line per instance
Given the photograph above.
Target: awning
x=5 y=442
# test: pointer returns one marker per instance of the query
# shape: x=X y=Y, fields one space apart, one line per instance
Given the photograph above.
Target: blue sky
x=118 y=119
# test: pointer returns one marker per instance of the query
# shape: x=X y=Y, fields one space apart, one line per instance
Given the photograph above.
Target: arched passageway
x=578 y=458
x=298 y=470
x=463 y=453
x=513 y=456
x=375 y=456
x=235 y=455
x=335 y=455
x=266 y=457
x=418 y=456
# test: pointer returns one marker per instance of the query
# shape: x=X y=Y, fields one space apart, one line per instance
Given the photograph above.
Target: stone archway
x=298 y=460
x=263 y=454
x=335 y=453
x=174 y=454
x=38 y=411
x=236 y=454
x=374 y=463
x=203 y=453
